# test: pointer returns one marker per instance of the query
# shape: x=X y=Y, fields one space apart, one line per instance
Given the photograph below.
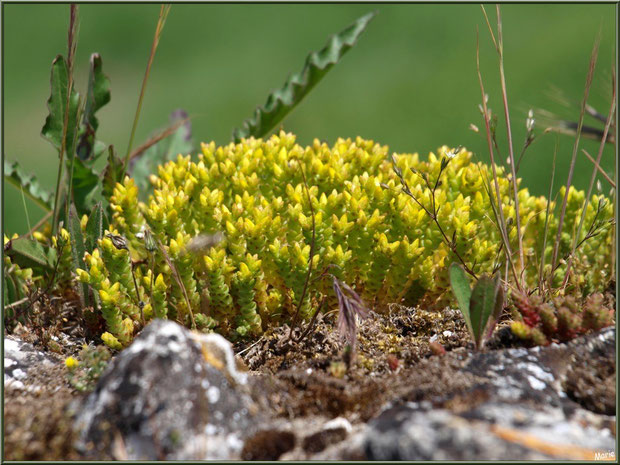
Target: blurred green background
x=410 y=82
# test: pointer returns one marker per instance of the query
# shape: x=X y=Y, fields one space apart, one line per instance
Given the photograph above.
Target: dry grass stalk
x=500 y=219
x=612 y=109
x=591 y=67
x=161 y=21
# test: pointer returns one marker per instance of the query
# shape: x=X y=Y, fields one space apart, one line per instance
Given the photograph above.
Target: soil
x=403 y=355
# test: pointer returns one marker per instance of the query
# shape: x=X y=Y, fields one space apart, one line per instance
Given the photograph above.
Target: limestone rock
x=171 y=395
x=515 y=407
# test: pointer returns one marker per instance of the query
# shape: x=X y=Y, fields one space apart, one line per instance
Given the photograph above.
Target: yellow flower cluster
x=367 y=231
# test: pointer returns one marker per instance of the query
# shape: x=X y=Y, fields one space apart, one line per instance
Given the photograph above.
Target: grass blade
x=13 y=174
x=282 y=101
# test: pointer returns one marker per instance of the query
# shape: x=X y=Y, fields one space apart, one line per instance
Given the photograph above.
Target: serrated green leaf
x=462 y=292
x=481 y=306
x=14 y=174
x=28 y=253
x=179 y=142
x=94 y=228
x=282 y=101
x=98 y=95
x=85 y=185
x=57 y=104
x=78 y=249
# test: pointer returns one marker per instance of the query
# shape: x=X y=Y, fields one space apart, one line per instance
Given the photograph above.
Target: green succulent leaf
x=482 y=306
x=14 y=174
x=98 y=95
x=462 y=292
x=282 y=101
x=28 y=253
x=179 y=142
x=57 y=105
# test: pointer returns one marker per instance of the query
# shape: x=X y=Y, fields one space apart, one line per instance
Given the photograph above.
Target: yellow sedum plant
x=368 y=233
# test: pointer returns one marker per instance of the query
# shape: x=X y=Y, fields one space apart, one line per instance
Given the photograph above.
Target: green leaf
x=12 y=291
x=112 y=173
x=57 y=104
x=28 y=253
x=78 y=249
x=282 y=101
x=14 y=174
x=497 y=309
x=462 y=292
x=98 y=95
x=179 y=142
x=94 y=228
x=85 y=184
x=482 y=306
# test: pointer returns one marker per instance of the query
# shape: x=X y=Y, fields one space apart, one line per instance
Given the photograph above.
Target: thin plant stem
x=310 y=258
x=26 y=210
x=500 y=51
x=548 y=211
x=312 y=322
x=40 y=223
x=571 y=170
x=600 y=170
x=158 y=137
x=433 y=214
x=502 y=220
x=612 y=109
x=161 y=21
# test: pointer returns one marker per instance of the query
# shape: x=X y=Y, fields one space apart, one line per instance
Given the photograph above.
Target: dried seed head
x=529 y=122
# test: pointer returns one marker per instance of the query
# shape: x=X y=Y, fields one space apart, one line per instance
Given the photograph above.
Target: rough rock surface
x=22 y=363
x=37 y=417
x=171 y=395
x=177 y=395
x=515 y=407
